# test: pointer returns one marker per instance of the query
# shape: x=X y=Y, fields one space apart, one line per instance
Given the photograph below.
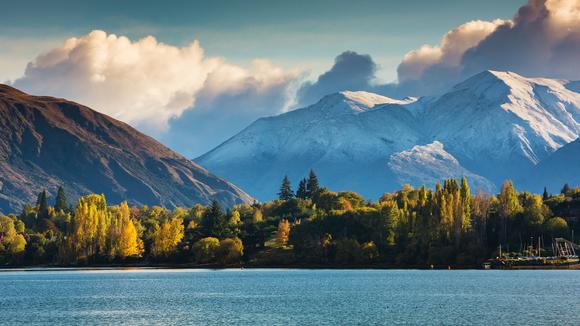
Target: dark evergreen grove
x=450 y=225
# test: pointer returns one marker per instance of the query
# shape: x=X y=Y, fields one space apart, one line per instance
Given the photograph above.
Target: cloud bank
x=193 y=102
x=542 y=39
x=147 y=83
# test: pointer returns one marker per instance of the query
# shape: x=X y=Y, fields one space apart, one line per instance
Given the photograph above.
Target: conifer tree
x=565 y=189
x=545 y=195
x=286 y=192
x=312 y=186
x=42 y=204
x=214 y=221
x=301 y=192
x=60 y=202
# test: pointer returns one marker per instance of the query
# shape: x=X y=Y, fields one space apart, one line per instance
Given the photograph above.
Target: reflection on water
x=276 y=297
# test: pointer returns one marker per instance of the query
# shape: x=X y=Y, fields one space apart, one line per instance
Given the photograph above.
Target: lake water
x=282 y=297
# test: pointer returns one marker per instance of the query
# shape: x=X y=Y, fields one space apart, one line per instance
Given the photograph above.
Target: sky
x=193 y=73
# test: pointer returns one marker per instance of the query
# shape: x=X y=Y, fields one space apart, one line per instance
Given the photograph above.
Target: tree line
x=420 y=227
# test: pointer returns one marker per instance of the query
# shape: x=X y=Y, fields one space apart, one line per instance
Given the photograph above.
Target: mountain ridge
x=48 y=142
x=485 y=122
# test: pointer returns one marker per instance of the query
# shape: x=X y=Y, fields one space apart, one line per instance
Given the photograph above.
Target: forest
x=450 y=225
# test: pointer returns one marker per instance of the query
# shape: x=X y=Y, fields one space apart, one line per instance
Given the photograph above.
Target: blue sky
x=194 y=73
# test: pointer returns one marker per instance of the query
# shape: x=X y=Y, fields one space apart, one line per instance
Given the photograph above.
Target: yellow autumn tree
x=167 y=236
x=90 y=226
x=124 y=239
x=283 y=232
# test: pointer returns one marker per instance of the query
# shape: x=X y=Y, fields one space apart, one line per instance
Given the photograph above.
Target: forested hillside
x=445 y=226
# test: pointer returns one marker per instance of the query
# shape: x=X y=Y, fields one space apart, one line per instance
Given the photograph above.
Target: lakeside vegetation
x=312 y=226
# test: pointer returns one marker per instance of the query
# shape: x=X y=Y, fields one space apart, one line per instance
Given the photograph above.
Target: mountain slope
x=561 y=167
x=46 y=142
x=498 y=117
x=428 y=164
x=343 y=137
x=494 y=126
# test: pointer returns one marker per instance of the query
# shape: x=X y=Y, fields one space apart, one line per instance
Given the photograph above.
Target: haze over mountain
x=47 y=142
x=491 y=127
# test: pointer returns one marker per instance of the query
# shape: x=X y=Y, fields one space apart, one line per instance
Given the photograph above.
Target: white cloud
x=449 y=51
x=542 y=39
x=145 y=82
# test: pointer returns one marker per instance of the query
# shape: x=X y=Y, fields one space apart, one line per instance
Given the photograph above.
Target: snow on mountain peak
x=428 y=164
x=371 y=99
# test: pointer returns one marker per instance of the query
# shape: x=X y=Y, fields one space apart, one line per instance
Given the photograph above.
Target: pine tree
x=214 y=221
x=301 y=192
x=565 y=189
x=286 y=192
x=60 y=202
x=312 y=186
x=42 y=204
x=545 y=195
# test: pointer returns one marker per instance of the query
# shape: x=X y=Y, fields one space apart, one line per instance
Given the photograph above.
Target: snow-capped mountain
x=428 y=164
x=498 y=123
x=489 y=128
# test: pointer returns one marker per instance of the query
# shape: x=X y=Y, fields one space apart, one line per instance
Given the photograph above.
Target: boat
x=564 y=257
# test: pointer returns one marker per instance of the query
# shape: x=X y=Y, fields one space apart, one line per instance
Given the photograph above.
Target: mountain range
x=491 y=127
x=48 y=142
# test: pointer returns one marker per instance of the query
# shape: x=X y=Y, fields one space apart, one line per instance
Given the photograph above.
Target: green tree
x=42 y=205
x=312 y=186
x=545 y=195
x=565 y=189
x=60 y=203
x=286 y=192
x=214 y=221
x=302 y=193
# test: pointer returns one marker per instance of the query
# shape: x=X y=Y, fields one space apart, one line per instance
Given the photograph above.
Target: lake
x=296 y=297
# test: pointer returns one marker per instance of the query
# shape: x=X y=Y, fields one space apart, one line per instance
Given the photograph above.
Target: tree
x=465 y=195
x=508 y=207
x=545 y=195
x=286 y=192
x=565 y=189
x=302 y=193
x=11 y=242
x=42 y=205
x=257 y=217
x=167 y=236
x=214 y=221
x=283 y=231
x=205 y=250
x=60 y=203
x=369 y=251
x=312 y=186
x=556 y=226
x=230 y=251
x=90 y=227
x=124 y=240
